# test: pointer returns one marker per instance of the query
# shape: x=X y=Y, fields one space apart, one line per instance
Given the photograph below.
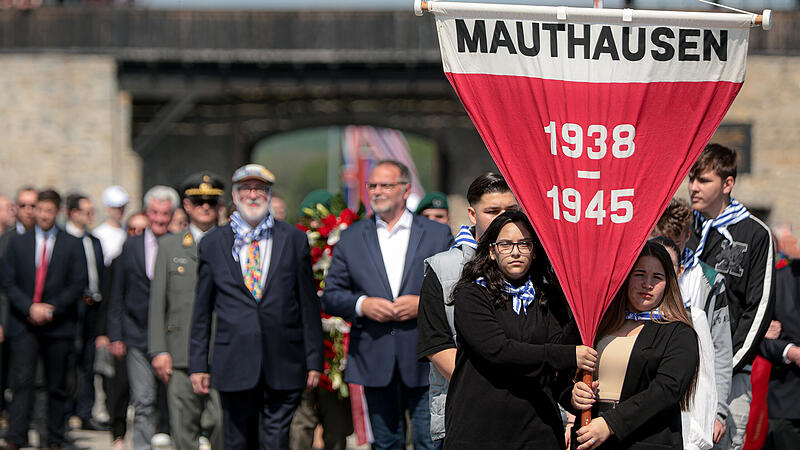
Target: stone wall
x=64 y=124
x=770 y=101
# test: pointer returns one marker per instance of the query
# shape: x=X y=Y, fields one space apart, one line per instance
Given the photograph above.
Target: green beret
x=432 y=200
x=313 y=198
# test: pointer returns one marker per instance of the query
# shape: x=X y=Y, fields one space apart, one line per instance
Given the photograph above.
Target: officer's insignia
x=730 y=259
x=188 y=240
x=181 y=269
x=206 y=178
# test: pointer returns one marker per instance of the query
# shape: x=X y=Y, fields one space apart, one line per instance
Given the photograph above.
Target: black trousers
x=784 y=434
x=258 y=418
x=118 y=396
x=24 y=352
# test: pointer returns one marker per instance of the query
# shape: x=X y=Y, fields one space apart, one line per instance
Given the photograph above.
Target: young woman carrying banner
x=648 y=362
x=510 y=345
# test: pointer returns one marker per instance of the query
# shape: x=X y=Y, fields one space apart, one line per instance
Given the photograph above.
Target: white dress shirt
x=91 y=261
x=111 y=240
x=150 y=252
x=394 y=246
x=197 y=233
x=264 y=249
x=41 y=235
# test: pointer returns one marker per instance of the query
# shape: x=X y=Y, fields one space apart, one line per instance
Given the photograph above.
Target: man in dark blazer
x=172 y=295
x=255 y=274
x=374 y=281
x=43 y=275
x=80 y=216
x=128 y=311
x=783 y=351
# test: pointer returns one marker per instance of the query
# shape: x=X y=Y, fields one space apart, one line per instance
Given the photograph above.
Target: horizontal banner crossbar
x=594 y=15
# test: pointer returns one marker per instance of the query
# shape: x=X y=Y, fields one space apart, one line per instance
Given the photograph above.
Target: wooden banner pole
x=586 y=416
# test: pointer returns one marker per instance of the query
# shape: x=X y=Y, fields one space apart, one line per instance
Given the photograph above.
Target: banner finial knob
x=766 y=19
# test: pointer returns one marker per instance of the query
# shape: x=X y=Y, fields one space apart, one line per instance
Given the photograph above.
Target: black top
x=747 y=265
x=501 y=392
x=784 y=379
x=434 y=331
x=661 y=366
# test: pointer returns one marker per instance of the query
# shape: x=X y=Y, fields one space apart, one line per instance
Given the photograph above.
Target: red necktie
x=41 y=274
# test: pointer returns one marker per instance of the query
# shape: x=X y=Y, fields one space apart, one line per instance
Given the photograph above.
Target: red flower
x=302 y=227
x=325 y=383
x=316 y=252
x=329 y=354
x=347 y=216
x=329 y=221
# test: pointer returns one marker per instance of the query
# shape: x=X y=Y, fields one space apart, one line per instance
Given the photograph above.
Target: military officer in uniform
x=171 y=301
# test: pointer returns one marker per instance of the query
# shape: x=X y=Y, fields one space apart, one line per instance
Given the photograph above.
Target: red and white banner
x=594 y=118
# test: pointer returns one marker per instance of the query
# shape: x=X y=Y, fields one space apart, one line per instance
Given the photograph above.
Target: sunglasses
x=200 y=201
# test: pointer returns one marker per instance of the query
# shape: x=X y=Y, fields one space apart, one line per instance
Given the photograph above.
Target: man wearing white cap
x=110 y=232
x=255 y=273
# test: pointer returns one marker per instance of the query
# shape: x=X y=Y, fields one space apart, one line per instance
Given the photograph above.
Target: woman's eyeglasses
x=505 y=247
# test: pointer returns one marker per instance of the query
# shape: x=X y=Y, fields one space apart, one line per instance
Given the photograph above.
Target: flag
x=363 y=147
x=593 y=120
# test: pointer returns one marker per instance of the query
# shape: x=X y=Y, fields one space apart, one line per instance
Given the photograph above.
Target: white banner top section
x=579 y=44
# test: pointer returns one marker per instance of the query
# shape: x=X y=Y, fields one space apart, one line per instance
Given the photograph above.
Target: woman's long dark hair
x=482 y=265
x=671 y=306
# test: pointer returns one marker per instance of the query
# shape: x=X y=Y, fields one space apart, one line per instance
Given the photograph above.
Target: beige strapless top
x=614 y=352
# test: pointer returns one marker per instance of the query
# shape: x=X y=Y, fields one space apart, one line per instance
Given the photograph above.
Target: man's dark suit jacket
x=280 y=336
x=784 y=380
x=63 y=287
x=130 y=296
x=357 y=269
x=663 y=362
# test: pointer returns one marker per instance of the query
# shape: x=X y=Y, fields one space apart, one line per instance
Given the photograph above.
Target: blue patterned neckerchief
x=465 y=237
x=733 y=213
x=653 y=314
x=244 y=235
x=522 y=296
x=687 y=261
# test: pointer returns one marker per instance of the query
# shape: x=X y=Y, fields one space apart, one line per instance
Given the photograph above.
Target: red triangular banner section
x=594 y=126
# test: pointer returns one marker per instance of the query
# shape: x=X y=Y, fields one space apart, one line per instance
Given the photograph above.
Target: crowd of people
x=206 y=320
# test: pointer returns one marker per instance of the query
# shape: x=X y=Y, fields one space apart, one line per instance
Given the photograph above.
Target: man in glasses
x=25 y=208
x=171 y=300
x=255 y=274
x=374 y=281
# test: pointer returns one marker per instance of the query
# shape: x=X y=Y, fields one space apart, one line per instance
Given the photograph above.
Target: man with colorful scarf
x=739 y=246
x=488 y=197
x=255 y=274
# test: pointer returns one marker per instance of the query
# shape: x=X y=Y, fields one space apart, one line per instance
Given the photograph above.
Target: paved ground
x=101 y=440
